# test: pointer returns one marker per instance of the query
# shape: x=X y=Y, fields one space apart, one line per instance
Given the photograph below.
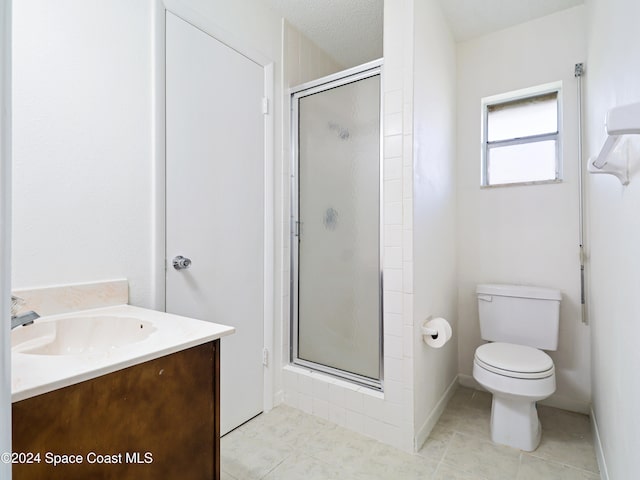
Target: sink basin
x=79 y=335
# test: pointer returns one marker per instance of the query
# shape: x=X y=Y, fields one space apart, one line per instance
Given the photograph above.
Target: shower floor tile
x=289 y=444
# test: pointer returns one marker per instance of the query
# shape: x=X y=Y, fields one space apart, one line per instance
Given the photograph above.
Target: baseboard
x=565 y=403
x=278 y=398
x=432 y=420
x=469 y=382
x=555 y=401
x=602 y=464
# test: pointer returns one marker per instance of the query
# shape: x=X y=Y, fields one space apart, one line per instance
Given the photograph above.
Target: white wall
x=303 y=61
x=86 y=181
x=82 y=143
x=247 y=25
x=434 y=286
x=522 y=234
x=5 y=236
x=613 y=78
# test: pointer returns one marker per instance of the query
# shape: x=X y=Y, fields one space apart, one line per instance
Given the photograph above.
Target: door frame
x=158 y=250
x=5 y=232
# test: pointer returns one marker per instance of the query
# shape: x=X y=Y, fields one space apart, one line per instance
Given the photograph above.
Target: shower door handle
x=181 y=263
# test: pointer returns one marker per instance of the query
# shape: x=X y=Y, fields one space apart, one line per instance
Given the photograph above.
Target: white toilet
x=521 y=322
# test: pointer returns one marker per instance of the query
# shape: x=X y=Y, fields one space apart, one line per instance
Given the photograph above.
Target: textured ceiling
x=351 y=30
x=472 y=18
x=348 y=30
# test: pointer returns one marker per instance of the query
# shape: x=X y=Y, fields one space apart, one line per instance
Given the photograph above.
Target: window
x=521 y=137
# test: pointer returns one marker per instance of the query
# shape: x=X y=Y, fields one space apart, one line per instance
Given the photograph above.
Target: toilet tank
x=519 y=314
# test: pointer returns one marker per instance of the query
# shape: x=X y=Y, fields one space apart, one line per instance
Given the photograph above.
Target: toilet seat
x=515 y=361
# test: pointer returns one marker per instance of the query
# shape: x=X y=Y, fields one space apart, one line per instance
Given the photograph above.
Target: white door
x=215 y=204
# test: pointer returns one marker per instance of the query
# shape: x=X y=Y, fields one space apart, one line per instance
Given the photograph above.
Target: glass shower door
x=338 y=277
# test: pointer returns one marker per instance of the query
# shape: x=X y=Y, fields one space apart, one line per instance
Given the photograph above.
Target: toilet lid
x=517 y=361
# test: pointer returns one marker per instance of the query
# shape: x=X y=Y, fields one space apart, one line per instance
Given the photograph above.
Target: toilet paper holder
x=430 y=331
x=436 y=332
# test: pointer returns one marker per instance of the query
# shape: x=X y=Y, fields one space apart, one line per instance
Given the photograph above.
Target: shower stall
x=336 y=281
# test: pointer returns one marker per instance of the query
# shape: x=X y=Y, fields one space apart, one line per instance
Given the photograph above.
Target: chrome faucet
x=25 y=318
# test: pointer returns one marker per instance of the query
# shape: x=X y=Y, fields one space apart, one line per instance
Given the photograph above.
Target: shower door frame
x=339 y=79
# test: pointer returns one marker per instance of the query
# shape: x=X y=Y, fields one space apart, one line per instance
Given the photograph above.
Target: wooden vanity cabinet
x=156 y=420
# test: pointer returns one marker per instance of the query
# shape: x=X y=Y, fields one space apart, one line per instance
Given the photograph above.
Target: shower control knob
x=180 y=262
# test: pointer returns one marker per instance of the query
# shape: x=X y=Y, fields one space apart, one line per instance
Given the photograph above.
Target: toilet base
x=515 y=423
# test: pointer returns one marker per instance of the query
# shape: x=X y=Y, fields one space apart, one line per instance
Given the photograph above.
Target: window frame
x=514 y=96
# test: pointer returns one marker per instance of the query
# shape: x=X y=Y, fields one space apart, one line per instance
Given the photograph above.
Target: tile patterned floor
x=289 y=444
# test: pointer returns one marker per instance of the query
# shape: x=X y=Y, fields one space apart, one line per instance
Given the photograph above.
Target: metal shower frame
x=367 y=70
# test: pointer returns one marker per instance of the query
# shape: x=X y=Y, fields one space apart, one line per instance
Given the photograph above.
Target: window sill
x=521 y=184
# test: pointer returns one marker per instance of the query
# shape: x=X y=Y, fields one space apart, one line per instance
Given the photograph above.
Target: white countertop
x=37 y=374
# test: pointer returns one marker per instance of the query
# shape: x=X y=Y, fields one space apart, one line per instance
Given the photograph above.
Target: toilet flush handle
x=485 y=298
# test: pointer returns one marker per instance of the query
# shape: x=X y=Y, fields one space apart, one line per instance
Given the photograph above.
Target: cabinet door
x=156 y=420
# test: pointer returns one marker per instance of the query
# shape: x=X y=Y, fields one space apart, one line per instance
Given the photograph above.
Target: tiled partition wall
x=388 y=416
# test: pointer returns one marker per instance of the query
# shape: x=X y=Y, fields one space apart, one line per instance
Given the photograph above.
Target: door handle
x=181 y=263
